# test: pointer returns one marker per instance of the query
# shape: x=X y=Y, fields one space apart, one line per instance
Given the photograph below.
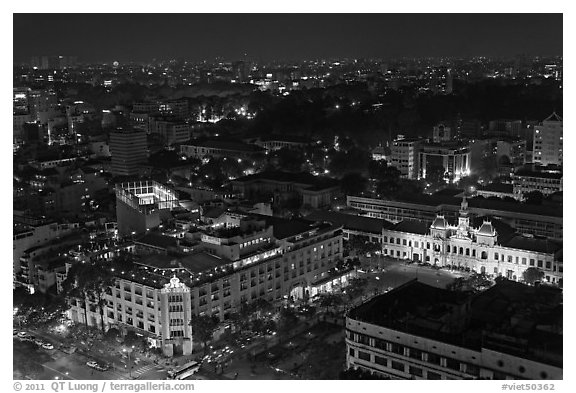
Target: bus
x=184 y=371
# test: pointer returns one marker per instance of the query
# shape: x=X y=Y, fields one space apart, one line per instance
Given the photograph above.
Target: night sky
x=141 y=37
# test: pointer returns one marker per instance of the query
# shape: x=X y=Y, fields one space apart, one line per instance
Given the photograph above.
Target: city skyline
x=269 y=37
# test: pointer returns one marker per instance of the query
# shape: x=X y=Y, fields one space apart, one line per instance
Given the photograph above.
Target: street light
x=129 y=351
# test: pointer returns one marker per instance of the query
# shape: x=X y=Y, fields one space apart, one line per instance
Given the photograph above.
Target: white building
x=526 y=181
x=404 y=157
x=548 y=143
x=228 y=267
x=479 y=249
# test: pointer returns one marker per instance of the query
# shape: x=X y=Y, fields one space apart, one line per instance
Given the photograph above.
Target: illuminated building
x=531 y=220
x=415 y=331
x=525 y=181
x=253 y=257
x=482 y=249
x=141 y=206
x=447 y=163
x=404 y=157
x=548 y=143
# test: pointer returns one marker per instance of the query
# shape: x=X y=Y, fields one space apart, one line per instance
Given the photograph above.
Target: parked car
x=92 y=364
x=47 y=346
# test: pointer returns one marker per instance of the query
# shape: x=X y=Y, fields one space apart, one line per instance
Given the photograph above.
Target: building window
x=433 y=375
x=523 y=261
x=416 y=371
x=397 y=366
x=352 y=352
x=381 y=361
x=532 y=262
x=495 y=256
x=364 y=356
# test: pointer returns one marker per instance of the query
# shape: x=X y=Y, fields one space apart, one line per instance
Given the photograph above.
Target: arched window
x=455 y=250
x=484 y=255
x=467 y=251
x=385 y=239
x=461 y=250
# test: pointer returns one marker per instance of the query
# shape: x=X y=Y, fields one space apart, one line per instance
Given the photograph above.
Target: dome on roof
x=486 y=229
x=440 y=223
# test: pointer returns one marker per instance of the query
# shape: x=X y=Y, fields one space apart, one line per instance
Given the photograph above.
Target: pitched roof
x=411 y=226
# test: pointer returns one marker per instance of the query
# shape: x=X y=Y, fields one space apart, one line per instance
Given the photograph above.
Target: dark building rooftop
x=352 y=222
x=314 y=182
x=411 y=226
x=510 y=317
x=157 y=240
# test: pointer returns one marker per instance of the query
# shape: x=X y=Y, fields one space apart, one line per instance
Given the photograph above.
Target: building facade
x=292 y=262
x=477 y=249
x=420 y=332
x=404 y=157
x=538 y=221
x=128 y=149
x=548 y=141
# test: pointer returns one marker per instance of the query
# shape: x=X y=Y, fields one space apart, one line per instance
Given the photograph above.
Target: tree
x=203 y=327
x=532 y=274
x=356 y=287
x=89 y=282
x=353 y=183
x=286 y=322
x=330 y=300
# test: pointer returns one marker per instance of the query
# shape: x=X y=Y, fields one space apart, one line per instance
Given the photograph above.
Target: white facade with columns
x=477 y=249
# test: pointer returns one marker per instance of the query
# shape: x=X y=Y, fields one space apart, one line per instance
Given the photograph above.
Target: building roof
x=533 y=243
x=157 y=240
x=411 y=226
x=350 y=221
x=510 y=317
x=487 y=229
x=226 y=145
x=195 y=263
x=538 y=174
x=440 y=223
x=553 y=117
x=499 y=187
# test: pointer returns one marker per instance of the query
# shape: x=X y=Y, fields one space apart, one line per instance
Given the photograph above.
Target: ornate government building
x=481 y=248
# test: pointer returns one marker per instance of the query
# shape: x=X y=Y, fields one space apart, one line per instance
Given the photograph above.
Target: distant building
x=404 y=157
x=440 y=80
x=498 y=190
x=219 y=148
x=525 y=181
x=512 y=151
x=128 y=149
x=279 y=142
x=417 y=331
x=172 y=131
x=527 y=219
x=442 y=133
x=381 y=153
x=506 y=128
x=449 y=163
x=548 y=143
x=315 y=191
